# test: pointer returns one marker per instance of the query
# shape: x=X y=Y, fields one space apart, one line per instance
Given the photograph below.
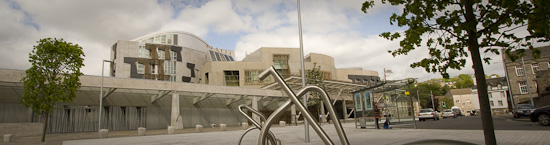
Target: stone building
x=522 y=74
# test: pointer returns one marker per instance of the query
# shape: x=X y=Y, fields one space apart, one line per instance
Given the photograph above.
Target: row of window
x=169 y=68
x=499 y=103
x=160 y=39
x=215 y=56
x=534 y=69
x=161 y=54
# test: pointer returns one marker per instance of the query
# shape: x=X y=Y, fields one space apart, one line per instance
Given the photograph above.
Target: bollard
x=245 y=125
x=282 y=123
x=103 y=133
x=198 y=128
x=223 y=127
x=171 y=129
x=141 y=131
x=7 y=138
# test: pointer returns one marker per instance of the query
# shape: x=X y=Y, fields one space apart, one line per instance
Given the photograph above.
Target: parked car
x=522 y=110
x=428 y=114
x=449 y=113
x=541 y=115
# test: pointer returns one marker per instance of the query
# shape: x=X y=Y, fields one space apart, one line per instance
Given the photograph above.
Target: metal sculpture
x=266 y=135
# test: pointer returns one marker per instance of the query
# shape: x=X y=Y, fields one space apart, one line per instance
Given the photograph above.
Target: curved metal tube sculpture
x=293 y=99
x=257 y=125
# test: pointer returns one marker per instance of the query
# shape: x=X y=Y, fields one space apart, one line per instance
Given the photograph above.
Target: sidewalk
x=294 y=135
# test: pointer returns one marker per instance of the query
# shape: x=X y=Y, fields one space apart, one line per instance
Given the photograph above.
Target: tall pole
x=306 y=125
x=527 y=81
x=432 y=97
x=101 y=94
x=508 y=82
x=418 y=99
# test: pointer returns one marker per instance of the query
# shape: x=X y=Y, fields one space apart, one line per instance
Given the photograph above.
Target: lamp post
x=101 y=94
x=306 y=125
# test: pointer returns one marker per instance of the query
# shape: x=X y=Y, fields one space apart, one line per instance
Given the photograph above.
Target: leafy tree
x=463 y=81
x=424 y=89
x=53 y=77
x=451 y=26
x=315 y=77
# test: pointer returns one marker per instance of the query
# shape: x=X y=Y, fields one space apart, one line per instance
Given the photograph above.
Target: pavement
x=295 y=135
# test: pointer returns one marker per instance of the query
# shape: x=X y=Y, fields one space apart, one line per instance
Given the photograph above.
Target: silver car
x=449 y=113
x=428 y=114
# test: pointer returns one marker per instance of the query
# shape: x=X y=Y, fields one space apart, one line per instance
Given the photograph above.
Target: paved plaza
x=295 y=135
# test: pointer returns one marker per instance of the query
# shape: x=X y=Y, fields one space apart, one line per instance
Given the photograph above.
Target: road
x=501 y=122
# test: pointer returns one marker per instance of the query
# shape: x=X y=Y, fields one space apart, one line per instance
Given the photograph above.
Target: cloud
x=335 y=28
x=217 y=16
x=94 y=25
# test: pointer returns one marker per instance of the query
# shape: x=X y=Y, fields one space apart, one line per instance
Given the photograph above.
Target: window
x=157 y=39
x=231 y=78
x=499 y=86
x=231 y=58
x=252 y=77
x=163 y=39
x=457 y=101
x=519 y=71
x=169 y=39
x=523 y=87
x=218 y=56
x=212 y=57
x=161 y=53
x=490 y=95
x=154 y=69
x=492 y=104
x=144 y=52
x=534 y=67
x=226 y=58
x=168 y=67
x=140 y=68
x=280 y=62
x=173 y=55
x=500 y=103
x=328 y=76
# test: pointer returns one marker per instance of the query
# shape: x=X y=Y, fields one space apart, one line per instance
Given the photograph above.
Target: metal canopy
x=333 y=88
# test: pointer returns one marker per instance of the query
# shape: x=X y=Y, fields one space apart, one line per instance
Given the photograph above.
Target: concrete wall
x=21 y=129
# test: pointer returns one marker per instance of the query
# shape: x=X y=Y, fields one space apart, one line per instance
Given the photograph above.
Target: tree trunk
x=46 y=116
x=473 y=46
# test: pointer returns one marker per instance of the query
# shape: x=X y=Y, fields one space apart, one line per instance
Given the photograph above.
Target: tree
x=315 y=77
x=463 y=81
x=53 y=76
x=424 y=89
x=453 y=25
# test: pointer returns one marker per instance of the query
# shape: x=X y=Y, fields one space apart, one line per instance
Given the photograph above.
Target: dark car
x=541 y=115
x=523 y=110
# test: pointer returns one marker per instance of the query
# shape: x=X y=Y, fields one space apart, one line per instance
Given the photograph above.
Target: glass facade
x=252 y=78
x=280 y=62
x=231 y=78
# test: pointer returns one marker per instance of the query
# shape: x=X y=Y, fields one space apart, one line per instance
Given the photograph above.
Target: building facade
x=497 y=90
x=171 y=56
x=465 y=100
x=522 y=74
x=286 y=61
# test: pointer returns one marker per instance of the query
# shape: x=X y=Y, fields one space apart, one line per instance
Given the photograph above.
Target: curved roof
x=171 y=31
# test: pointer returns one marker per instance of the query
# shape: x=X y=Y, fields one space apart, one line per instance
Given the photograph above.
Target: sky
x=332 y=27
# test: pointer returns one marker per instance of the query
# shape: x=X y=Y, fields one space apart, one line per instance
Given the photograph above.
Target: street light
x=101 y=94
x=306 y=125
